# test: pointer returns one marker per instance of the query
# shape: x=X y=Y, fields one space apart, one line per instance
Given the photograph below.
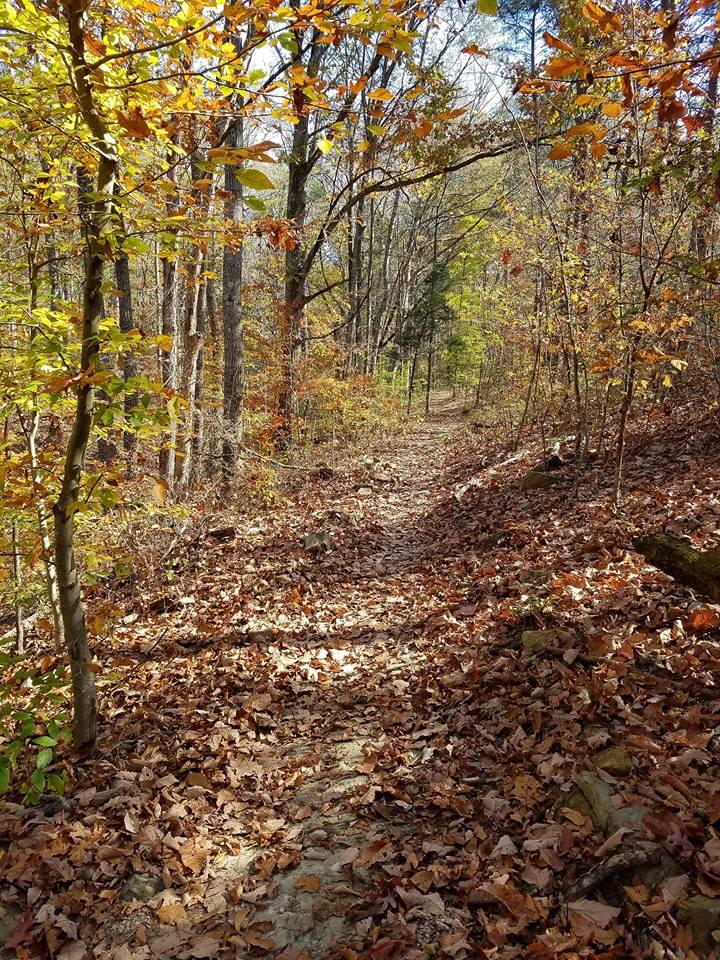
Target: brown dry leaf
x=194 y=854
x=309 y=884
x=171 y=912
x=599 y=914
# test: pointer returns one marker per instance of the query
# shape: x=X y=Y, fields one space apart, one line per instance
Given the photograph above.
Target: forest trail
x=353 y=746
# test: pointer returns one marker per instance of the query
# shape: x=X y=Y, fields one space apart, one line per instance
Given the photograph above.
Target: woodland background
x=244 y=246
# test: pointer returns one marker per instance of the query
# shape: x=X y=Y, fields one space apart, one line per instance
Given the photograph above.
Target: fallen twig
x=620 y=862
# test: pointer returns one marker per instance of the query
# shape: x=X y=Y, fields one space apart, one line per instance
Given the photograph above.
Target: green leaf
x=4 y=778
x=56 y=783
x=46 y=741
x=488 y=7
x=255 y=179
x=44 y=758
x=255 y=203
x=37 y=779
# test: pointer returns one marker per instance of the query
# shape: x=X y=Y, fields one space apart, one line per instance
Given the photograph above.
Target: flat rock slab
x=310 y=909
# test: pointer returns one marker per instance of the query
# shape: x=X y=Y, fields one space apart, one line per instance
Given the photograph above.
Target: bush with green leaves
x=32 y=730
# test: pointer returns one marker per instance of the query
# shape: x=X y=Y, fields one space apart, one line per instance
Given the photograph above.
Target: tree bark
x=99 y=224
x=126 y=322
x=232 y=282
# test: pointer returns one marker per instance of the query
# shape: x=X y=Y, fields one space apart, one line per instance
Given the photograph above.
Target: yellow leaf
x=324 y=145
x=159 y=490
x=164 y=342
x=412 y=93
x=382 y=93
x=612 y=109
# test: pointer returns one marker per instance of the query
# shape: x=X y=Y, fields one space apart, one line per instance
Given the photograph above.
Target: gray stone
x=317 y=542
x=702 y=915
x=628 y=817
x=653 y=874
x=141 y=886
x=9 y=916
x=537 y=480
x=599 y=797
x=613 y=760
x=534 y=640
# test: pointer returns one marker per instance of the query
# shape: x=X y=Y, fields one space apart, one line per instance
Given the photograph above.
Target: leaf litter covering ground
x=349 y=753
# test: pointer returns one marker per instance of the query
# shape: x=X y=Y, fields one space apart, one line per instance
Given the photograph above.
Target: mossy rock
x=598 y=795
x=613 y=760
x=702 y=915
x=678 y=559
x=10 y=913
x=535 y=640
x=538 y=479
x=141 y=886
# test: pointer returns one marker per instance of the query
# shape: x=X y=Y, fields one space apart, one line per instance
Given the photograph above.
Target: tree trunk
x=126 y=322
x=234 y=363
x=169 y=365
x=99 y=226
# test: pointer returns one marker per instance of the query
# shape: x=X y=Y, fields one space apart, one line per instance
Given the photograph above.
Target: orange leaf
x=586 y=130
x=134 y=124
x=598 y=150
x=556 y=43
x=605 y=19
x=563 y=66
x=382 y=93
x=588 y=100
x=612 y=109
x=560 y=151
x=704 y=618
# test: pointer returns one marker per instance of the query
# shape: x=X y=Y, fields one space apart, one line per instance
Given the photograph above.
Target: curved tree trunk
x=99 y=208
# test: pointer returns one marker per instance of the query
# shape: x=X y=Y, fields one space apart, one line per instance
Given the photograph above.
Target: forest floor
x=361 y=751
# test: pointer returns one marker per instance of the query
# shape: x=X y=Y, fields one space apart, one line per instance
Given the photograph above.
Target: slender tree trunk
x=99 y=226
x=126 y=322
x=169 y=361
x=295 y=279
x=234 y=361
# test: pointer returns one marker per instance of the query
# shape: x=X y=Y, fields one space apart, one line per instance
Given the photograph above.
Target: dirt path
x=250 y=766
x=353 y=754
